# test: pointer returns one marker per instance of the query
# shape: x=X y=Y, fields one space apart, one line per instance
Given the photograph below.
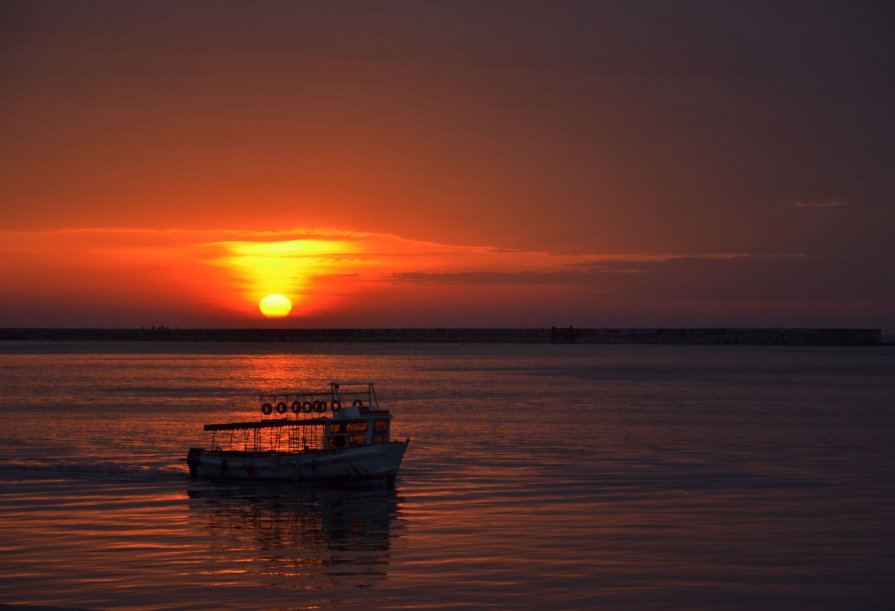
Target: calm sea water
x=559 y=477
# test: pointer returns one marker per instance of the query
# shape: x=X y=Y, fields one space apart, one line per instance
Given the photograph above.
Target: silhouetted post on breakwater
x=563 y=336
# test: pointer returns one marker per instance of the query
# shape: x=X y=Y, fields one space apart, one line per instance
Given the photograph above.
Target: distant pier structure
x=554 y=335
x=721 y=336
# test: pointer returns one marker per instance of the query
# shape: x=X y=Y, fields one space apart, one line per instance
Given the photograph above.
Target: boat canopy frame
x=266 y=424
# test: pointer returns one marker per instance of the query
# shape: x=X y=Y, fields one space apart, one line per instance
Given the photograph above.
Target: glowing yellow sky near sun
x=285 y=267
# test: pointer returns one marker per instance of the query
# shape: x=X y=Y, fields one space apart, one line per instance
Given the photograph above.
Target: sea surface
x=537 y=477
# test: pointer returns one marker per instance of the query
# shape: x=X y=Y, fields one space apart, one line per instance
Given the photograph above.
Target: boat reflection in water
x=307 y=538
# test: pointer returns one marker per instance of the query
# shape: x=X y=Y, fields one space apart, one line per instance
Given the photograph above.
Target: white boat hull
x=379 y=461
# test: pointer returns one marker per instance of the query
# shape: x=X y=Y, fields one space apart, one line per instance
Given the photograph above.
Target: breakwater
x=556 y=335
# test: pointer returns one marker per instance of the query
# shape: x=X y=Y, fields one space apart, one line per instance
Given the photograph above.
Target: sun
x=275 y=306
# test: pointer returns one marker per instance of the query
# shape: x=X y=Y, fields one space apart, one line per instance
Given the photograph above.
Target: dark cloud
x=510 y=278
x=830 y=204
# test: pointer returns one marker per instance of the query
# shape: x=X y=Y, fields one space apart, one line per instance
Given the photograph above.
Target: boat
x=335 y=435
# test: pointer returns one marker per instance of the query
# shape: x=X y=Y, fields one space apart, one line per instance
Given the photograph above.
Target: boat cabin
x=346 y=415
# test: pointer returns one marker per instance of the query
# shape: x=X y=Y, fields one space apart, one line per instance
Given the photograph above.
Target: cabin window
x=337 y=441
x=349 y=427
x=378 y=439
x=357 y=440
x=381 y=426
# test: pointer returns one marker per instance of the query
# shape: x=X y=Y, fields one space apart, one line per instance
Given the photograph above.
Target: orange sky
x=189 y=278
x=445 y=164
